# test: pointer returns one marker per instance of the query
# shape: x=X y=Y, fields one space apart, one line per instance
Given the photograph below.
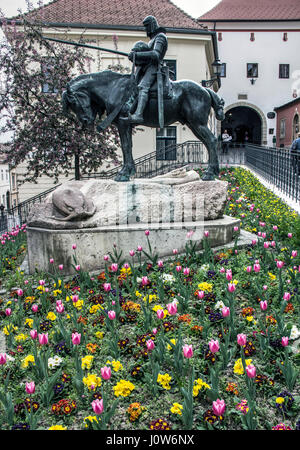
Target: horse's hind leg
x=203 y=133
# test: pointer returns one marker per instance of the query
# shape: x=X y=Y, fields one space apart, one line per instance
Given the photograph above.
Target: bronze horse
x=190 y=104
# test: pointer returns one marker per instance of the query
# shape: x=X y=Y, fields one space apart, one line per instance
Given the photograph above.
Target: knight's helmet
x=151 y=25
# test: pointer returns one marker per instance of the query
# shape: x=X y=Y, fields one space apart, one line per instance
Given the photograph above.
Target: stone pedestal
x=93 y=243
x=96 y=214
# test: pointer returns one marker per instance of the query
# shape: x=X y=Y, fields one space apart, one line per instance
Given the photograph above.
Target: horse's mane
x=96 y=76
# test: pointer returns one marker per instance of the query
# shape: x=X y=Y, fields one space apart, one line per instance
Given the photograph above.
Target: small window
x=171 y=63
x=252 y=70
x=284 y=71
x=282 y=128
x=271 y=130
x=223 y=70
x=166 y=144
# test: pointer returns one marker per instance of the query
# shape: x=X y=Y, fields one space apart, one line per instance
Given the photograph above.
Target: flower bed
x=200 y=341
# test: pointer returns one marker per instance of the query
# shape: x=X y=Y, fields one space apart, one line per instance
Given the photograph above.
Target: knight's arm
x=156 y=54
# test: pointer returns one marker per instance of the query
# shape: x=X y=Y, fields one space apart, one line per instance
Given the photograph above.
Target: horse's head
x=77 y=99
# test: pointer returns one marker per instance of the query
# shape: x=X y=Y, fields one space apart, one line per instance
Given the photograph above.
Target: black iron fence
x=278 y=166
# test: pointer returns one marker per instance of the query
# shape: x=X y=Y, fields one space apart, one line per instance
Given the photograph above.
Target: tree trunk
x=77 y=168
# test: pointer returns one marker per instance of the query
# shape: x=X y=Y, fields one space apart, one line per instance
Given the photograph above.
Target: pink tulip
x=241 y=339
x=186 y=271
x=273 y=243
x=222 y=270
x=219 y=407
x=251 y=371
x=201 y=294
x=231 y=287
x=111 y=315
x=132 y=253
x=97 y=406
x=42 y=282
x=175 y=251
x=265 y=287
x=256 y=268
x=150 y=344
x=178 y=268
x=61 y=267
x=51 y=260
x=160 y=263
x=74 y=246
x=145 y=281
x=8 y=312
x=139 y=248
x=105 y=372
x=147 y=232
x=154 y=331
x=26 y=282
x=254 y=242
x=280 y=264
x=284 y=341
x=263 y=305
x=286 y=296
x=187 y=351
x=30 y=387
x=2 y=358
x=60 y=308
x=294 y=253
x=33 y=334
x=75 y=298
x=214 y=346
x=76 y=338
x=189 y=234
x=249 y=269
x=275 y=227
x=172 y=308
x=107 y=287
x=106 y=257
x=20 y=292
x=126 y=265
x=228 y=275
x=43 y=338
x=77 y=267
x=225 y=311
x=114 y=267
x=266 y=244
x=160 y=313
x=290 y=235
x=235 y=228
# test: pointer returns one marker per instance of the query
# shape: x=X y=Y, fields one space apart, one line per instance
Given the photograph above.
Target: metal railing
x=278 y=166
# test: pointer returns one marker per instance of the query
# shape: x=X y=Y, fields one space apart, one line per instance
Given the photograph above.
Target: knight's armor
x=147 y=59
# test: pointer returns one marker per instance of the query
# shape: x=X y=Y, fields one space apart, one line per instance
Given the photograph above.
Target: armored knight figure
x=148 y=61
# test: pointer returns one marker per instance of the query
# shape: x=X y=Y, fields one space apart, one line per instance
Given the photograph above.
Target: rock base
x=93 y=243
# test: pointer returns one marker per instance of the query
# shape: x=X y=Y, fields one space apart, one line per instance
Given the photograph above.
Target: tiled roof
x=114 y=13
x=253 y=10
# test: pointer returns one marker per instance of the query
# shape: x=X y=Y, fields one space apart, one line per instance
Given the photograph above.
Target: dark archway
x=243 y=124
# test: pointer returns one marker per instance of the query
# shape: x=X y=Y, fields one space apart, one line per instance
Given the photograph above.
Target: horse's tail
x=217 y=104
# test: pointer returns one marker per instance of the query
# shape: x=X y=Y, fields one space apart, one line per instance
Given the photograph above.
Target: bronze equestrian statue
x=160 y=102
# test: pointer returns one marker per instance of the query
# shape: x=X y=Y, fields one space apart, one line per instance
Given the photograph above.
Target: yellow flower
x=206 y=287
x=238 y=366
x=177 y=409
x=272 y=277
x=279 y=400
x=169 y=347
x=26 y=361
x=29 y=322
x=164 y=380
x=87 y=361
x=138 y=294
x=116 y=365
x=99 y=335
x=95 y=308
x=21 y=337
x=78 y=305
x=57 y=292
x=123 y=388
x=89 y=419
x=9 y=329
x=51 y=316
x=235 y=281
x=57 y=427
x=249 y=318
x=198 y=385
x=91 y=381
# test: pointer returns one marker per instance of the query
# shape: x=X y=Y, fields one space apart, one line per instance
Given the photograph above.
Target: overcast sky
x=194 y=8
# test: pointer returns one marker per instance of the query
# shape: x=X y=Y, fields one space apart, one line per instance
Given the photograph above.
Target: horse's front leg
x=128 y=169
